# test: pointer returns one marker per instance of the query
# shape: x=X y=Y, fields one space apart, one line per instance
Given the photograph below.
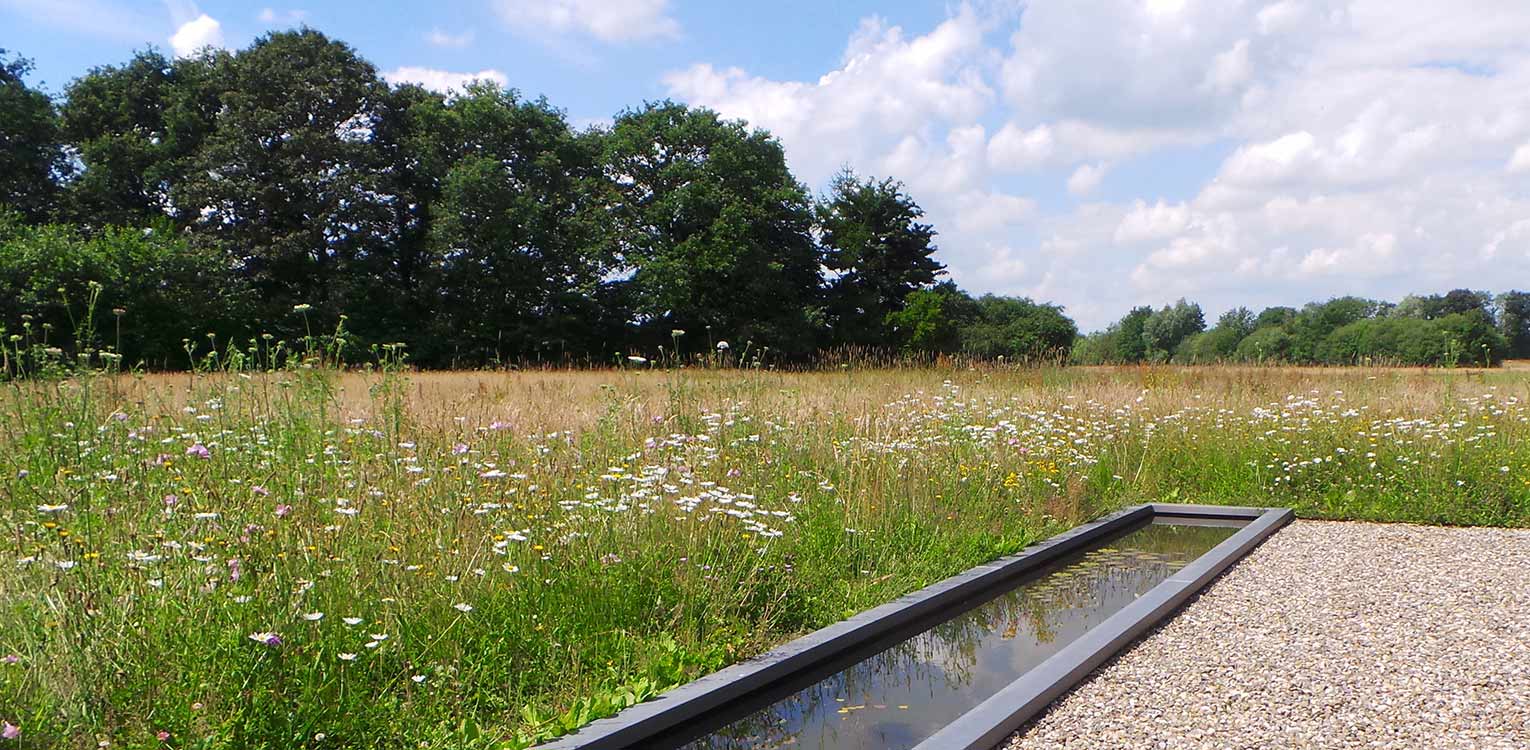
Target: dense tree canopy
x=32 y=156
x=880 y=252
x=1461 y=327
x=518 y=236
x=1019 y=329
x=714 y=229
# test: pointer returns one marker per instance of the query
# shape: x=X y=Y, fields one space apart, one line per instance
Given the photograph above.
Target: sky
x=1098 y=154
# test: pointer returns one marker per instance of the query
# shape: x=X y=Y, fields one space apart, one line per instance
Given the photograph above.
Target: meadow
x=309 y=557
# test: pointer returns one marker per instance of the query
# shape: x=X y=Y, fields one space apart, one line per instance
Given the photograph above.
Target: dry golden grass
x=546 y=401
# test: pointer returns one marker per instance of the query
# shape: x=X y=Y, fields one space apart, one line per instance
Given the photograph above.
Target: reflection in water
x=900 y=696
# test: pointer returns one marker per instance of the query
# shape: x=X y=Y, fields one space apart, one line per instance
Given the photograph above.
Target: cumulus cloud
x=1017 y=149
x=888 y=89
x=1520 y=161
x=605 y=20
x=443 y=80
x=1147 y=223
x=198 y=33
x=99 y=18
x=288 y=17
x=1280 y=150
x=440 y=38
x=1085 y=179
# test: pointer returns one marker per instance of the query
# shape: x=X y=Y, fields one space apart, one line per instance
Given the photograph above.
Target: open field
x=382 y=559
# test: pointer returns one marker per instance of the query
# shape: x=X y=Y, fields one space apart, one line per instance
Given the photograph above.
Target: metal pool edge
x=988 y=724
x=643 y=721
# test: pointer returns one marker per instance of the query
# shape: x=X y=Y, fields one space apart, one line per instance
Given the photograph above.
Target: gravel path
x=1329 y=635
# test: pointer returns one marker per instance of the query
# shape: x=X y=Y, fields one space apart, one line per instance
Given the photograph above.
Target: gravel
x=1329 y=635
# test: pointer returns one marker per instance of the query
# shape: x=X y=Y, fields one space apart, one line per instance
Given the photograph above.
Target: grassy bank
x=317 y=559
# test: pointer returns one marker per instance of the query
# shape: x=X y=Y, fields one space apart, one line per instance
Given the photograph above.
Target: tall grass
x=272 y=552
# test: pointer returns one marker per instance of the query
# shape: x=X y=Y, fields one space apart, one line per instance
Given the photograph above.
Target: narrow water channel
x=905 y=692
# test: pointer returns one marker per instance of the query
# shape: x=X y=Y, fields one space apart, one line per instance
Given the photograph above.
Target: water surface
x=905 y=692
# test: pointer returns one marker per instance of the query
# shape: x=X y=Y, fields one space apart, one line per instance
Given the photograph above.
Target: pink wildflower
x=162 y=735
x=260 y=490
x=459 y=449
x=283 y=510
x=170 y=500
x=199 y=450
x=10 y=731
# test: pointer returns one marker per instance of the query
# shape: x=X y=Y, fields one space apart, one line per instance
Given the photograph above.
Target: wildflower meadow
x=313 y=556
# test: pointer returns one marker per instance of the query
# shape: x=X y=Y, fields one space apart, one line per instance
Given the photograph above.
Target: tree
x=32 y=159
x=1130 y=345
x=1266 y=344
x=1319 y=319
x=393 y=274
x=1435 y=306
x=1220 y=343
x=154 y=289
x=1275 y=316
x=1018 y=329
x=1461 y=338
x=1385 y=341
x=135 y=129
x=288 y=181
x=519 y=228
x=1097 y=348
x=1166 y=329
x=874 y=241
x=1473 y=339
x=1514 y=323
x=713 y=229
x=932 y=320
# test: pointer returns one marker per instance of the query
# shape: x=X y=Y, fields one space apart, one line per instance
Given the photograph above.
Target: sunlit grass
x=380 y=559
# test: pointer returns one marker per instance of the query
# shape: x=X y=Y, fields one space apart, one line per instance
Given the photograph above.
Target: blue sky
x=1095 y=153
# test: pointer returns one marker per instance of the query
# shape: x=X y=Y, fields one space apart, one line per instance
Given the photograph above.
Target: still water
x=903 y=694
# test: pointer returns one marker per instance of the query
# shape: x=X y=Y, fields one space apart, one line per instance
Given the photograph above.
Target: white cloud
x=1287 y=157
x=283 y=17
x=606 y=20
x=1306 y=148
x=888 y=88
x=1518 y=233
x=983 y=211
x=1016 y=149
x=1144 y=65
x=1085 y=179
x=1230 y=69
x=443 y=80
x=441 y=38
x=198 y=33
x=1520 y=161
x=1145 y=223
x=99 y=18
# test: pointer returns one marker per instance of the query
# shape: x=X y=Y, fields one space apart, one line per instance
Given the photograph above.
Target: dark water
x=902 y=694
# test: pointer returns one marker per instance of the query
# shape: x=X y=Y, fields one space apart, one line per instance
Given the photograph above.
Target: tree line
x=160 y=208
x=286 y=188
x=1459 y=328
